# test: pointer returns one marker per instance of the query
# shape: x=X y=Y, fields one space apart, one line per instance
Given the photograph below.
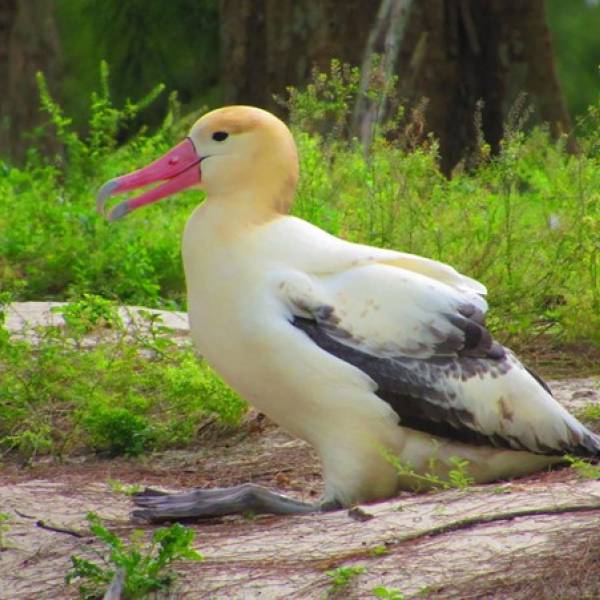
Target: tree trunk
x=8 y=11
x=460 y=52
x=267 y=45
x=457 y=54
x=28 y=43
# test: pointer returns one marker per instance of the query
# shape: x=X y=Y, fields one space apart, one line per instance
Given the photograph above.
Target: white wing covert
x=425 y=345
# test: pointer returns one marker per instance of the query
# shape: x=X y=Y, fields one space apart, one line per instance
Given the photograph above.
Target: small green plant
x=118 y=487
x=387 y=593
x=584 y=469
x=458 y=476
x=379 y=550
x=145 y=569
x=341 y=578
x=4 y=529
x=590 y=413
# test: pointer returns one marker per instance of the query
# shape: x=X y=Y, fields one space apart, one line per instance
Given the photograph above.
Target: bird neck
x=227 y=217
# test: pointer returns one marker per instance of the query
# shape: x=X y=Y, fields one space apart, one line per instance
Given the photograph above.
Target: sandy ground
x=531 y=538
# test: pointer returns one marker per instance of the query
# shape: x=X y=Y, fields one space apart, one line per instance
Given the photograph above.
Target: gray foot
x=156 y=506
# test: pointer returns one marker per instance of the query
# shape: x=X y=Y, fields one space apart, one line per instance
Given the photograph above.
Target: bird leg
x=156 y=506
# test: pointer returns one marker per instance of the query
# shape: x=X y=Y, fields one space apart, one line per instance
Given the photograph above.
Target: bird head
x=236 y=154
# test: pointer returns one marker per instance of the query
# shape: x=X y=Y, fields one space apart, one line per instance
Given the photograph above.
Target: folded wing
x=425 y=345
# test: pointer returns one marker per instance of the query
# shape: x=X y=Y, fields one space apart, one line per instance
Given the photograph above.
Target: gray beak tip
x=104 y=193
x=120 y=210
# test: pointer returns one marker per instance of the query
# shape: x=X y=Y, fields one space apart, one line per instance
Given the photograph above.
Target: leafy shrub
x=526 y=222
x=144 y=570
x=56 y=246
x=118 y=430
x=95 y=385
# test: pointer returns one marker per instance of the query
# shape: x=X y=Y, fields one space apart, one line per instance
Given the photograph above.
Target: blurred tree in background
x=210 y=51
x=29 y=42
x=575 y=26
x=145 y=42
x=268 y=45
x=454 y=53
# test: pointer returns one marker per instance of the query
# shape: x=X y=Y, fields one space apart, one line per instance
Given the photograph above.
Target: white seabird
x=360 y=351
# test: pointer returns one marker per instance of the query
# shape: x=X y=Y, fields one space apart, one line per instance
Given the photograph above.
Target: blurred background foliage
x=144 y=42
x=523 y=217
x=575 y=26
x=177 y=43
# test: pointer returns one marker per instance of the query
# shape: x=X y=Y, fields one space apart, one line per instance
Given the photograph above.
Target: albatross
x=363 y=352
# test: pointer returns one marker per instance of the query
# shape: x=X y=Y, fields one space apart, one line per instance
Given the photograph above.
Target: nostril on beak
x=173 y=161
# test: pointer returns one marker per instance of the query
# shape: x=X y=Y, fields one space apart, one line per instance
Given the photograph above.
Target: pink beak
x=179 y=169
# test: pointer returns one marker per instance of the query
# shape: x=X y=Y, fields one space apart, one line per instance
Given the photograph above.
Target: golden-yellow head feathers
x=248 y=155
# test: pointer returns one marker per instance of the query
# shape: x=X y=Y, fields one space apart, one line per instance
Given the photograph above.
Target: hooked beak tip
x=120 y=210
x=104 y=193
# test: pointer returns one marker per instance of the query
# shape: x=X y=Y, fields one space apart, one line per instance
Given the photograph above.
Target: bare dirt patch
x=531 y=538
x=516 y=540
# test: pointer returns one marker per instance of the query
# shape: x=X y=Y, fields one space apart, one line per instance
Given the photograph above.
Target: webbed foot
x=156 y=506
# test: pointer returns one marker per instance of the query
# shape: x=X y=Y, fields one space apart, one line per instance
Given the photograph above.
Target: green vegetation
x=584 y=469
x=144 y=569
x=574 y=28
x=379 y=550
x=387 y=593
x=125 y=393
x=526 y=223
x=342 y=577
x=590 y=413
x=52 y=242
x=458 y=476
x=118 y=487
x=4 y=529
x=146 y=43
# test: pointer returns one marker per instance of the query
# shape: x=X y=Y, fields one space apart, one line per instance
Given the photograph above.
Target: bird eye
x=219 y=136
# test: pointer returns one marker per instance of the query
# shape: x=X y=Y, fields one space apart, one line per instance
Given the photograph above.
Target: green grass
x=127 y=393
x=526 y=223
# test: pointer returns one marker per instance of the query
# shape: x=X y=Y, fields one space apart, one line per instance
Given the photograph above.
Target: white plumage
x=241 y=317
x=358 y=350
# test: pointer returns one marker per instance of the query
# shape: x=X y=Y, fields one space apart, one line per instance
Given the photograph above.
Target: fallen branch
x=459 y=525
x=43 y=525
x=483 y=519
